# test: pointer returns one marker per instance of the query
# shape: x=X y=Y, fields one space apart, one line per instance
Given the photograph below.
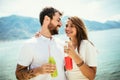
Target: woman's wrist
x=78 y=60
x=80 y=63
x=75 y=56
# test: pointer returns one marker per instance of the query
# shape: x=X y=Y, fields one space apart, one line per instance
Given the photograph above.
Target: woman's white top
x=88 y=54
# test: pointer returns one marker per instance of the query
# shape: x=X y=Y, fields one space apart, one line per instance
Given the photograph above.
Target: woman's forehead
x=69 y=21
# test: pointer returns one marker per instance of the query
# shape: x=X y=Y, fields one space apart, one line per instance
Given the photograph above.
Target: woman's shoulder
x=87 y=43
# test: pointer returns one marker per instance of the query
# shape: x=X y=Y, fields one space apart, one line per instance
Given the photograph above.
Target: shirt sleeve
x=91 y=55
x=26 y=55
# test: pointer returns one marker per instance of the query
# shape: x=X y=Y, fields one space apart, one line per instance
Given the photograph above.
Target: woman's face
x=70 y=29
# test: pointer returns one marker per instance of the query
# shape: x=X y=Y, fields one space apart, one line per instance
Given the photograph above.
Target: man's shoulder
x=59 y=41
x=31 y=41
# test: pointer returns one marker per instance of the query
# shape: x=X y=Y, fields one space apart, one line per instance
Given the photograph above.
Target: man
x=33 y=60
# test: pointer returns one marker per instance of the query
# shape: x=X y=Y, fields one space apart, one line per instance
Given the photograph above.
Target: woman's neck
x=74 y=42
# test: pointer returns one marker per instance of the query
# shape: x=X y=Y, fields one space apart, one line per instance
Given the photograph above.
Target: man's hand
x=23 y=73
x=47 y=68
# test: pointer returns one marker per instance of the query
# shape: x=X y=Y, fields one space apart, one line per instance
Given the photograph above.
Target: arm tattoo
x=23 y=73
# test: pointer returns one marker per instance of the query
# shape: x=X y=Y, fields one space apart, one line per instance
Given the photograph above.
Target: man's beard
x=53 y=30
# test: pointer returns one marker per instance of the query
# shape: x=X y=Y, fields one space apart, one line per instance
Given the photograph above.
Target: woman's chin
x=68 y=35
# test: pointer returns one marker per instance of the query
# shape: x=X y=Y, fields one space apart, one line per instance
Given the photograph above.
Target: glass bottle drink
x=68 y=60
x=68 y=63
x=52 y=61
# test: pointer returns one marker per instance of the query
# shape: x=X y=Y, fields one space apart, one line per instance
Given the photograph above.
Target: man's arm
x=23 y=73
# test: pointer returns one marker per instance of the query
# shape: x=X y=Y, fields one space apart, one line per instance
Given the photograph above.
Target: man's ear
x=47 y=18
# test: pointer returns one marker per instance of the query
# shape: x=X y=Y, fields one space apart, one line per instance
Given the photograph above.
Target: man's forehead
x=57 y=15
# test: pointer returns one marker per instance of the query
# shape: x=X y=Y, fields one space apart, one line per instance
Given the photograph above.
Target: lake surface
x=107 y=43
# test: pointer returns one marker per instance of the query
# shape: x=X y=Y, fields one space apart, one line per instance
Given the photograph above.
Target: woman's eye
x=66 y=25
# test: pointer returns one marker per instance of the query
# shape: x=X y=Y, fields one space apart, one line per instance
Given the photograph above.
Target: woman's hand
x=69 y=50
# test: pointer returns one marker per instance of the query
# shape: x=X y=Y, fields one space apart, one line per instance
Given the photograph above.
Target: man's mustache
x=58 y=26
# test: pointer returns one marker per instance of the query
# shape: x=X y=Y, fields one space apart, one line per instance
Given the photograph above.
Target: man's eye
x=58 y=20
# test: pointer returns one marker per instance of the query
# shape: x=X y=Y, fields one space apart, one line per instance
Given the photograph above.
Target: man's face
x=55 y=24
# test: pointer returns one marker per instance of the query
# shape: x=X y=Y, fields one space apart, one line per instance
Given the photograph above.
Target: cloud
x=99 y=10
x=115 y=17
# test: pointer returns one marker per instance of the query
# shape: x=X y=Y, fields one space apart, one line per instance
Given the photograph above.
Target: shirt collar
x=46 y=38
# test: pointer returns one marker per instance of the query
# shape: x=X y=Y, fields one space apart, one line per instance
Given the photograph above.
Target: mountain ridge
x=16 y=27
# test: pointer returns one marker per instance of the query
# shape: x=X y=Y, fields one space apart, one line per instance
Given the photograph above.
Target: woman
x=81 y=50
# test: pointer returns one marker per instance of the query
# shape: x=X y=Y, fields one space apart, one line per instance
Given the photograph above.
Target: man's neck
x=46 y=33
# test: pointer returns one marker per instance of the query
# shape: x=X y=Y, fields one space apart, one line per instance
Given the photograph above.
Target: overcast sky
x=98 y=10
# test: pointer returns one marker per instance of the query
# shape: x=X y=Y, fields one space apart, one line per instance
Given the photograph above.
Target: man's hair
x=47 y=11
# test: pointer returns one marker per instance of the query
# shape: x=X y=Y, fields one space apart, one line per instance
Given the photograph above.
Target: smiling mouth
x=58 y=26
x=68 y=32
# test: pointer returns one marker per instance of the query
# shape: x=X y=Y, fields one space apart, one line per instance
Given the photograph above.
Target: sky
x=96 y=10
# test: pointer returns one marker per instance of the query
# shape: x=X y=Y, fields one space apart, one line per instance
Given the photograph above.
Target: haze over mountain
x=16 y=27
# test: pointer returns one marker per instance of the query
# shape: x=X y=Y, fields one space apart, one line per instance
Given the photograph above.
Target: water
x=109 y=54
x=8 y=59
x=106 y=41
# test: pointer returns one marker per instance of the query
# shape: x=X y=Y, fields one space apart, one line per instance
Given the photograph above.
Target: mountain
x=93 y=25
x=18 y=27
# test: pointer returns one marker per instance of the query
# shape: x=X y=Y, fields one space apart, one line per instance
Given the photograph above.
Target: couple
x=33 y=60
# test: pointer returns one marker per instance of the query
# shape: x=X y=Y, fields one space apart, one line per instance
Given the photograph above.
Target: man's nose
x=60 y=23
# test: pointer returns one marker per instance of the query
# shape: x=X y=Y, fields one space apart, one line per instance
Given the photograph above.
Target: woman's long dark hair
x=81 y=30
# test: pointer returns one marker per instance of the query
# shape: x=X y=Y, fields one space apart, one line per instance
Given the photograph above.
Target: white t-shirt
x=88 y=54
x=36 y=52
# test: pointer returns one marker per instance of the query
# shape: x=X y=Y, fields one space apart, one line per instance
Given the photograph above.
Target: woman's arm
x=88 y=71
